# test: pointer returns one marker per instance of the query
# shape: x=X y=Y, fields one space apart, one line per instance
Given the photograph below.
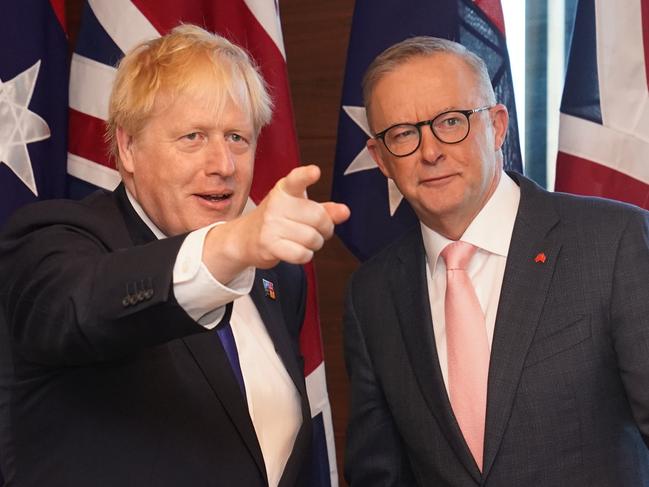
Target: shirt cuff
x=196 y=290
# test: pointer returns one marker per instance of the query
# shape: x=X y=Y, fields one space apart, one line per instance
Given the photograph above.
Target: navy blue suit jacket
x=104 y=379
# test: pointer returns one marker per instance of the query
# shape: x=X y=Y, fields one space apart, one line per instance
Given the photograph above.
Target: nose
x=219 y=160
x=431 y=148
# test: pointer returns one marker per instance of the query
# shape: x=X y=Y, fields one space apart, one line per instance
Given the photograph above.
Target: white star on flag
x=19 y=126
x=363 y=161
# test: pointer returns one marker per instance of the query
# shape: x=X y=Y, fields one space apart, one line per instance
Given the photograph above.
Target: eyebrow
x=439 y=112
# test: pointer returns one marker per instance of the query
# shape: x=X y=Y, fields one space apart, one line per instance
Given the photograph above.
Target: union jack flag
x=379 y=213
x=604 y=121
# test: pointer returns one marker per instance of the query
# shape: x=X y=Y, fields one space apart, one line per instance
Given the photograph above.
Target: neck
x=452 y=230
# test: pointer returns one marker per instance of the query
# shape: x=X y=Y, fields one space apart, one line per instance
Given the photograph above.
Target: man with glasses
x=504 y=341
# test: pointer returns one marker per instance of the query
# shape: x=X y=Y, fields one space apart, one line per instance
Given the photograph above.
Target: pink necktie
x=467 y=348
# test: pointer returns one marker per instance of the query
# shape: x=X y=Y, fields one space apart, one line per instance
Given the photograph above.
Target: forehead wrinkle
x=392 y=105
x=201 y=109
x=420 y=112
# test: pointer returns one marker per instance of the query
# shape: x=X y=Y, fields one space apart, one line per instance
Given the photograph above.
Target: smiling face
x=446 y=184
x=192 y=163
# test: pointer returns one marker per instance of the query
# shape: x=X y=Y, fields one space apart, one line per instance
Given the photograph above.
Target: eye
x=402 y=133
x=191 y=141
x=239 y=143
x=193 y=137
x=450 y=121
x=236 y=138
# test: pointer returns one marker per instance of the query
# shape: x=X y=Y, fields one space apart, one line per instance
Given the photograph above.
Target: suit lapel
x=410 y=291
x=271 y=314
x=531 y=261
x=138 y=230
x=210 y=356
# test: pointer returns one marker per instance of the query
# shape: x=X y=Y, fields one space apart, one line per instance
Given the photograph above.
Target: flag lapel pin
x=269 y=289
x=540 y=258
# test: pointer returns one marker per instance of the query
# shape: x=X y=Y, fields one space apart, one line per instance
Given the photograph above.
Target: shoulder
x=383 y=264
x=92 y=226
x=577 y=211
x=289 y=272
x=89 y=212
x=287 y=280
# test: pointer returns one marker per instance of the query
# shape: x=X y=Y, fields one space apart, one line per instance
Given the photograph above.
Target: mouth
x=438 y=179
x=218 y=201
x=215 y=197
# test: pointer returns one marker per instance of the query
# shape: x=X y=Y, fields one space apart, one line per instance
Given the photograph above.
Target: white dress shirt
x=273 y=401
x=490 y=231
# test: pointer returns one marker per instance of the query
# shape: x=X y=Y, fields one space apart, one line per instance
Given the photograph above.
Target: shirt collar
x=145 y=218
x=491 y=230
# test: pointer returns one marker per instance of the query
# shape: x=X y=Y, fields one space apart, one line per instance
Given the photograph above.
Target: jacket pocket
x=563 y=339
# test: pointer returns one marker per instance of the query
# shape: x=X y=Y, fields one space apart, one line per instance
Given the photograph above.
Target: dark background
x=316 y=33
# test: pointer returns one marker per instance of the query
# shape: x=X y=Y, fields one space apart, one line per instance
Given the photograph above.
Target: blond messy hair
x=188 y=60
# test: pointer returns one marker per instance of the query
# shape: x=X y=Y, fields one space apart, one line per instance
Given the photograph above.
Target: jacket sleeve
x=630 y=316
x=374 y=452
x=70 y=298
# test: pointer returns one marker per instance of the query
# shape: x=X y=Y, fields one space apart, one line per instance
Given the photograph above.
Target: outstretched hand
x=286 y=226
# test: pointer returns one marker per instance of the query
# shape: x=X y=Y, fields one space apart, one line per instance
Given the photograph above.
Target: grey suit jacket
x=568 y=393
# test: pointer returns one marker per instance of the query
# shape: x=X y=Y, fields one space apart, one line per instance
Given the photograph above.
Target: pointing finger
x=338 y=212
x=300 y=178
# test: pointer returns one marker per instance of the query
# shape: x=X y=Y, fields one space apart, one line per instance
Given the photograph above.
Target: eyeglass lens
x=450 y=127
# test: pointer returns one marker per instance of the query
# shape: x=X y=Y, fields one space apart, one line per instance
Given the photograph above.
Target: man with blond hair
x=149 y=336
x=503 y=341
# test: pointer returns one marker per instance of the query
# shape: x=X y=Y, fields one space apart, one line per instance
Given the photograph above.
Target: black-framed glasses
x=450 y=127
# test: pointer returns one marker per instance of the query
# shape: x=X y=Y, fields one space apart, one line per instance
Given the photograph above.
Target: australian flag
x=379 y=213
x=604 y=120
x=33 y=103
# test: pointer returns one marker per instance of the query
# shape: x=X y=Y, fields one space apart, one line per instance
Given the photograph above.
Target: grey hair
x=423 y=46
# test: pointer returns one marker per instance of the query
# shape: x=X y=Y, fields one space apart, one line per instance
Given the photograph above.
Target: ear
x=500 y=121
x=373 y=147
x=125 y=150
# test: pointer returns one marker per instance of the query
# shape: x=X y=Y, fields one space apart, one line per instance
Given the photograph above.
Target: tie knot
x=458 y=254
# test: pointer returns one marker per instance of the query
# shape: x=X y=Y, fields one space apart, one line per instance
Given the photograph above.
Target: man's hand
x=285 y=226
